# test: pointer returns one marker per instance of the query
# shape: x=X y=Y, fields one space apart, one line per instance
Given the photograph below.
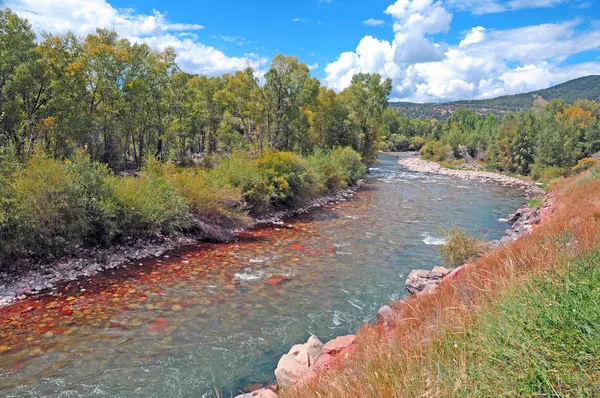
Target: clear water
x=205 y=318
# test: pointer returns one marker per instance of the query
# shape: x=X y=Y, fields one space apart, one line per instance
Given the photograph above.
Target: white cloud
x=373 y=22
x=84 y=16
x=485 y=63
x=495 y=6
x=313 y=66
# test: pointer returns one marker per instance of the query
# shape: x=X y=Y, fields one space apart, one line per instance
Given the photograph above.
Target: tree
x=366 y=99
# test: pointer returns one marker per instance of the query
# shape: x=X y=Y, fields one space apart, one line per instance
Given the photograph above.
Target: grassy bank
x=522 y=320
x=50 y=208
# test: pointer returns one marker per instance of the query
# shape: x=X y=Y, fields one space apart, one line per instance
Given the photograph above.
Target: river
x=219 y=316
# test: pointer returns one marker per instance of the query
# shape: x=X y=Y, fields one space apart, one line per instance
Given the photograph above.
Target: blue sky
x=432 y=50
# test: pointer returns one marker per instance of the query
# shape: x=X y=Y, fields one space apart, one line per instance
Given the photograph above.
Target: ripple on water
x=432 y=240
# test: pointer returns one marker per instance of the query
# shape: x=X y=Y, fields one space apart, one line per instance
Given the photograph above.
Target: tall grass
x=490 y=330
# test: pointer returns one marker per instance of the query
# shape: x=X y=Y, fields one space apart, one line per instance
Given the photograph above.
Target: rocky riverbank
x=304 y=361
x=28 y=278
x=414 y=163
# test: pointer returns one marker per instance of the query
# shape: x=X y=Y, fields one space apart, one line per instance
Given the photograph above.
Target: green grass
x=535 y=203
x=541 y=338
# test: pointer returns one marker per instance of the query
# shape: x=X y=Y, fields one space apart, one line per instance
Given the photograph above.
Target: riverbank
x=16 y=284
x=416 y=164
x=452 y=337
x=309 y=361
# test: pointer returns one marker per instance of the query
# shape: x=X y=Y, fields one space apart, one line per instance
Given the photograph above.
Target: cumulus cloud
x=84 y=16
x=485 y=63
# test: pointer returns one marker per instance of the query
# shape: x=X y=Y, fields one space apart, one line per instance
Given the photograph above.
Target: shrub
x=292 y=180
x=49 y=215
x=350 y=164
x=399 y=142
x=149 y=204
x=459 y=247
x=329 y=173
x=211 y=202
x=548 y=173
x=97 y=196
x=584 y=164
x=240 y=171
x=434 y=150
x=416 y=143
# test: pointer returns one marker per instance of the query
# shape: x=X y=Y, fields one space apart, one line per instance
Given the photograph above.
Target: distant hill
x=583 y=88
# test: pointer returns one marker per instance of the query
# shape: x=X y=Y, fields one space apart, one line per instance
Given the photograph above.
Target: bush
x=218 y=204
x=584 y=164
x=329 y=173
x=416 y=143
x=548 y=173
x=149 y=205
x=240 y=171
x=399 y=142
x=350 y=164
x=459 y=247
x=50 y=214
x=97 y=196
x=292 y=180
x=434 y=150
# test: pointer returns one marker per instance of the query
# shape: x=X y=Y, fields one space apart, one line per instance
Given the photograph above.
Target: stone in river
x=176 y=308
x=336 y=345
x=276 y=280
x=262 y=393
x=294 y=365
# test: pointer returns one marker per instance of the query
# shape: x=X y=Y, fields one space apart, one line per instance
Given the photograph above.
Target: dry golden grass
x=405 y=361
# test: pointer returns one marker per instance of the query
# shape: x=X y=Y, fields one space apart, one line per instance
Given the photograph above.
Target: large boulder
x=294 y=365
x=419 y=279
x=336 y=345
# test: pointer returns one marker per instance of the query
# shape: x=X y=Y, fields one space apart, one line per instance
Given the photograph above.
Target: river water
x=219 y=316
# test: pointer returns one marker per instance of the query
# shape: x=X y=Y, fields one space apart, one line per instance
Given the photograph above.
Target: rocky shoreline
x=414 y=163
x=16 y=284
x=304 y=361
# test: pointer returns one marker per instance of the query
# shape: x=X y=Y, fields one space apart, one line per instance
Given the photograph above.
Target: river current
x=219 y=316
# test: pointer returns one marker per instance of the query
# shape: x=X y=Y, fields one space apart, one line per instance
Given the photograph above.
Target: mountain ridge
x=587 y=87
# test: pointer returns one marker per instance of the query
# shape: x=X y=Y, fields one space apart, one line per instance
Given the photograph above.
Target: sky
x=433 y=51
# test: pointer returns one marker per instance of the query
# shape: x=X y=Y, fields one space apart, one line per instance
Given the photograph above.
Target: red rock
x=157 y=325
x=324 y=362
x=276 y=280
x=297 y=246
x=331 y=249
x=336 y=345
x=28 y=309
x=67 y=312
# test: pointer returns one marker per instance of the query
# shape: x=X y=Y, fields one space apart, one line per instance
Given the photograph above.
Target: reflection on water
x=221 y=315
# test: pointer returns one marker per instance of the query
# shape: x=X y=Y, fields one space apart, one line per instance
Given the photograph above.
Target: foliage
x=434 y=150
x=290 y=177
x=49 y=216
x=125 y=101
x=459 y=247
x=148 y=205
x=585 y=164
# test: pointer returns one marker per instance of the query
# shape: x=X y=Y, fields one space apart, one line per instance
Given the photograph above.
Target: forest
x=545 y=142
x=103 y=139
